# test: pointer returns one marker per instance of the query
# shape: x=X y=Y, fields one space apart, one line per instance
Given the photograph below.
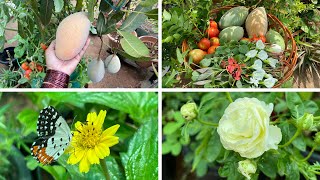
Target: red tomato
x=213 y=24
x=213 y=32
x=212 y=49
x=39 y=68
x=204 y=44
x=27 y=73
x=43 y=46
x=25 y=66
x=215 y=41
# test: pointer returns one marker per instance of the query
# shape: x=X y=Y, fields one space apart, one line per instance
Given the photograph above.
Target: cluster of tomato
x=255 y=39
x=206 y=45
x=29 y=67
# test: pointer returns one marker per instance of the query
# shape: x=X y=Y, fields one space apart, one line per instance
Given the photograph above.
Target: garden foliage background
x=135 y=157
x=193 y=148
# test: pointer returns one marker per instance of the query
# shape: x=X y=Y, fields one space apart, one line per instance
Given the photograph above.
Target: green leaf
x=171 y=127
x=79 y=5
x=101 y=25
x=113 y=168
x=90 y=8
x=32 y=164
x=135 y=19
x=133 y=46
x=267 y=165
x=141 y=159
x=58 y=5
x=28 y=118
x=104 y=6
x=46 y=7
x=176 y=149
x=152 y=14
x=310 y=107
x=214 y=147
x=113 y=20
x=147 y=3
x=295 y=104
x=166 y=147
x=58 y=172
x=202 y=168
x=179 y=56
x=166 y=15
x=141 y=106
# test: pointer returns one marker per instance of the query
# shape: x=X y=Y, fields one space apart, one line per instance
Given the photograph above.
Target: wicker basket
x=288 y=61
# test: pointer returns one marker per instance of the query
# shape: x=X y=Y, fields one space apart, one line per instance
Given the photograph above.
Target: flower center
x=89 y=136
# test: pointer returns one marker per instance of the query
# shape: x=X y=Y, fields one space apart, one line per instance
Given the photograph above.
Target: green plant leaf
x=79 y=5
x=148 y=3
x=135 y=19
x=101 y=25
x=90 y=8
x=58 y=5
x=267 y=165
x=152 y=14
x=295 y=104
x=141 y=160
x=46 y=7
x=214 y=147
x=28 y=118
x=113 y=168
x=132 y=45
x=310 y=107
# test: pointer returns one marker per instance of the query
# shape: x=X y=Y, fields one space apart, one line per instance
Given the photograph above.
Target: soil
x=127 y=77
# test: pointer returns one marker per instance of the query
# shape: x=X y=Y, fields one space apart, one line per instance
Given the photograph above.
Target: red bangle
x=55 y=79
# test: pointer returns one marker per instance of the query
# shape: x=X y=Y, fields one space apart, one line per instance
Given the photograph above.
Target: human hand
x=60 y=65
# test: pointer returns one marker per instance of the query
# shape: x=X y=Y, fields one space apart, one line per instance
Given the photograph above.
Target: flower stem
x=103 y=165
x=229 y=97
x=293 y=138
x=309 y=155
x=208 y=123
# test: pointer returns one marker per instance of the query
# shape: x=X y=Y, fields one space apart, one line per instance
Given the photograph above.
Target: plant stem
x=309 y=155
x=10 y=29
x=103 y=165
x=293 y=138
x=208 y=123
x=229 y=97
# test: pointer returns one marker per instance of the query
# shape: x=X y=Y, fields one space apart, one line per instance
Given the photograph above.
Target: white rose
x=244 y=128
x=246 y=168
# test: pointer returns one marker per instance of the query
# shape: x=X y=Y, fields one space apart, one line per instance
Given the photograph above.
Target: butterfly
x=54 y=136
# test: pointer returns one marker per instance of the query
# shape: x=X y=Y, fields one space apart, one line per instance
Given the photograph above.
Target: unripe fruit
x=96 y=70
x=112 y=63
x=197 y=55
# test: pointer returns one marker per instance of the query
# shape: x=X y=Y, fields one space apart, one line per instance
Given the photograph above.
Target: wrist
x=55 y=79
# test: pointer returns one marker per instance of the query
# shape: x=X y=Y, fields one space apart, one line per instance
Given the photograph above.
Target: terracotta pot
x=150 y=40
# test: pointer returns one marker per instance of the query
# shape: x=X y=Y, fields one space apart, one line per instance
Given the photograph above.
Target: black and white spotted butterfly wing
x=54 y=136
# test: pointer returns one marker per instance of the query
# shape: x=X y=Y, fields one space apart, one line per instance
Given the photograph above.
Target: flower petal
x=75 y=157
x=103 y=150
x=100 y=119
x=110 y=140
x=84 y=165
x=91 y=116
x=92 y=157
x=78 y=126
x=111 y=130
x=274 y=137
x=99 y=152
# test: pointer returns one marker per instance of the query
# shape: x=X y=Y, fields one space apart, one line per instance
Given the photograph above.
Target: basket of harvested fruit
x=247 y=48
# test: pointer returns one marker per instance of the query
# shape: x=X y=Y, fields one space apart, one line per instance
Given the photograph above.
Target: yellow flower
x=90 y=143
